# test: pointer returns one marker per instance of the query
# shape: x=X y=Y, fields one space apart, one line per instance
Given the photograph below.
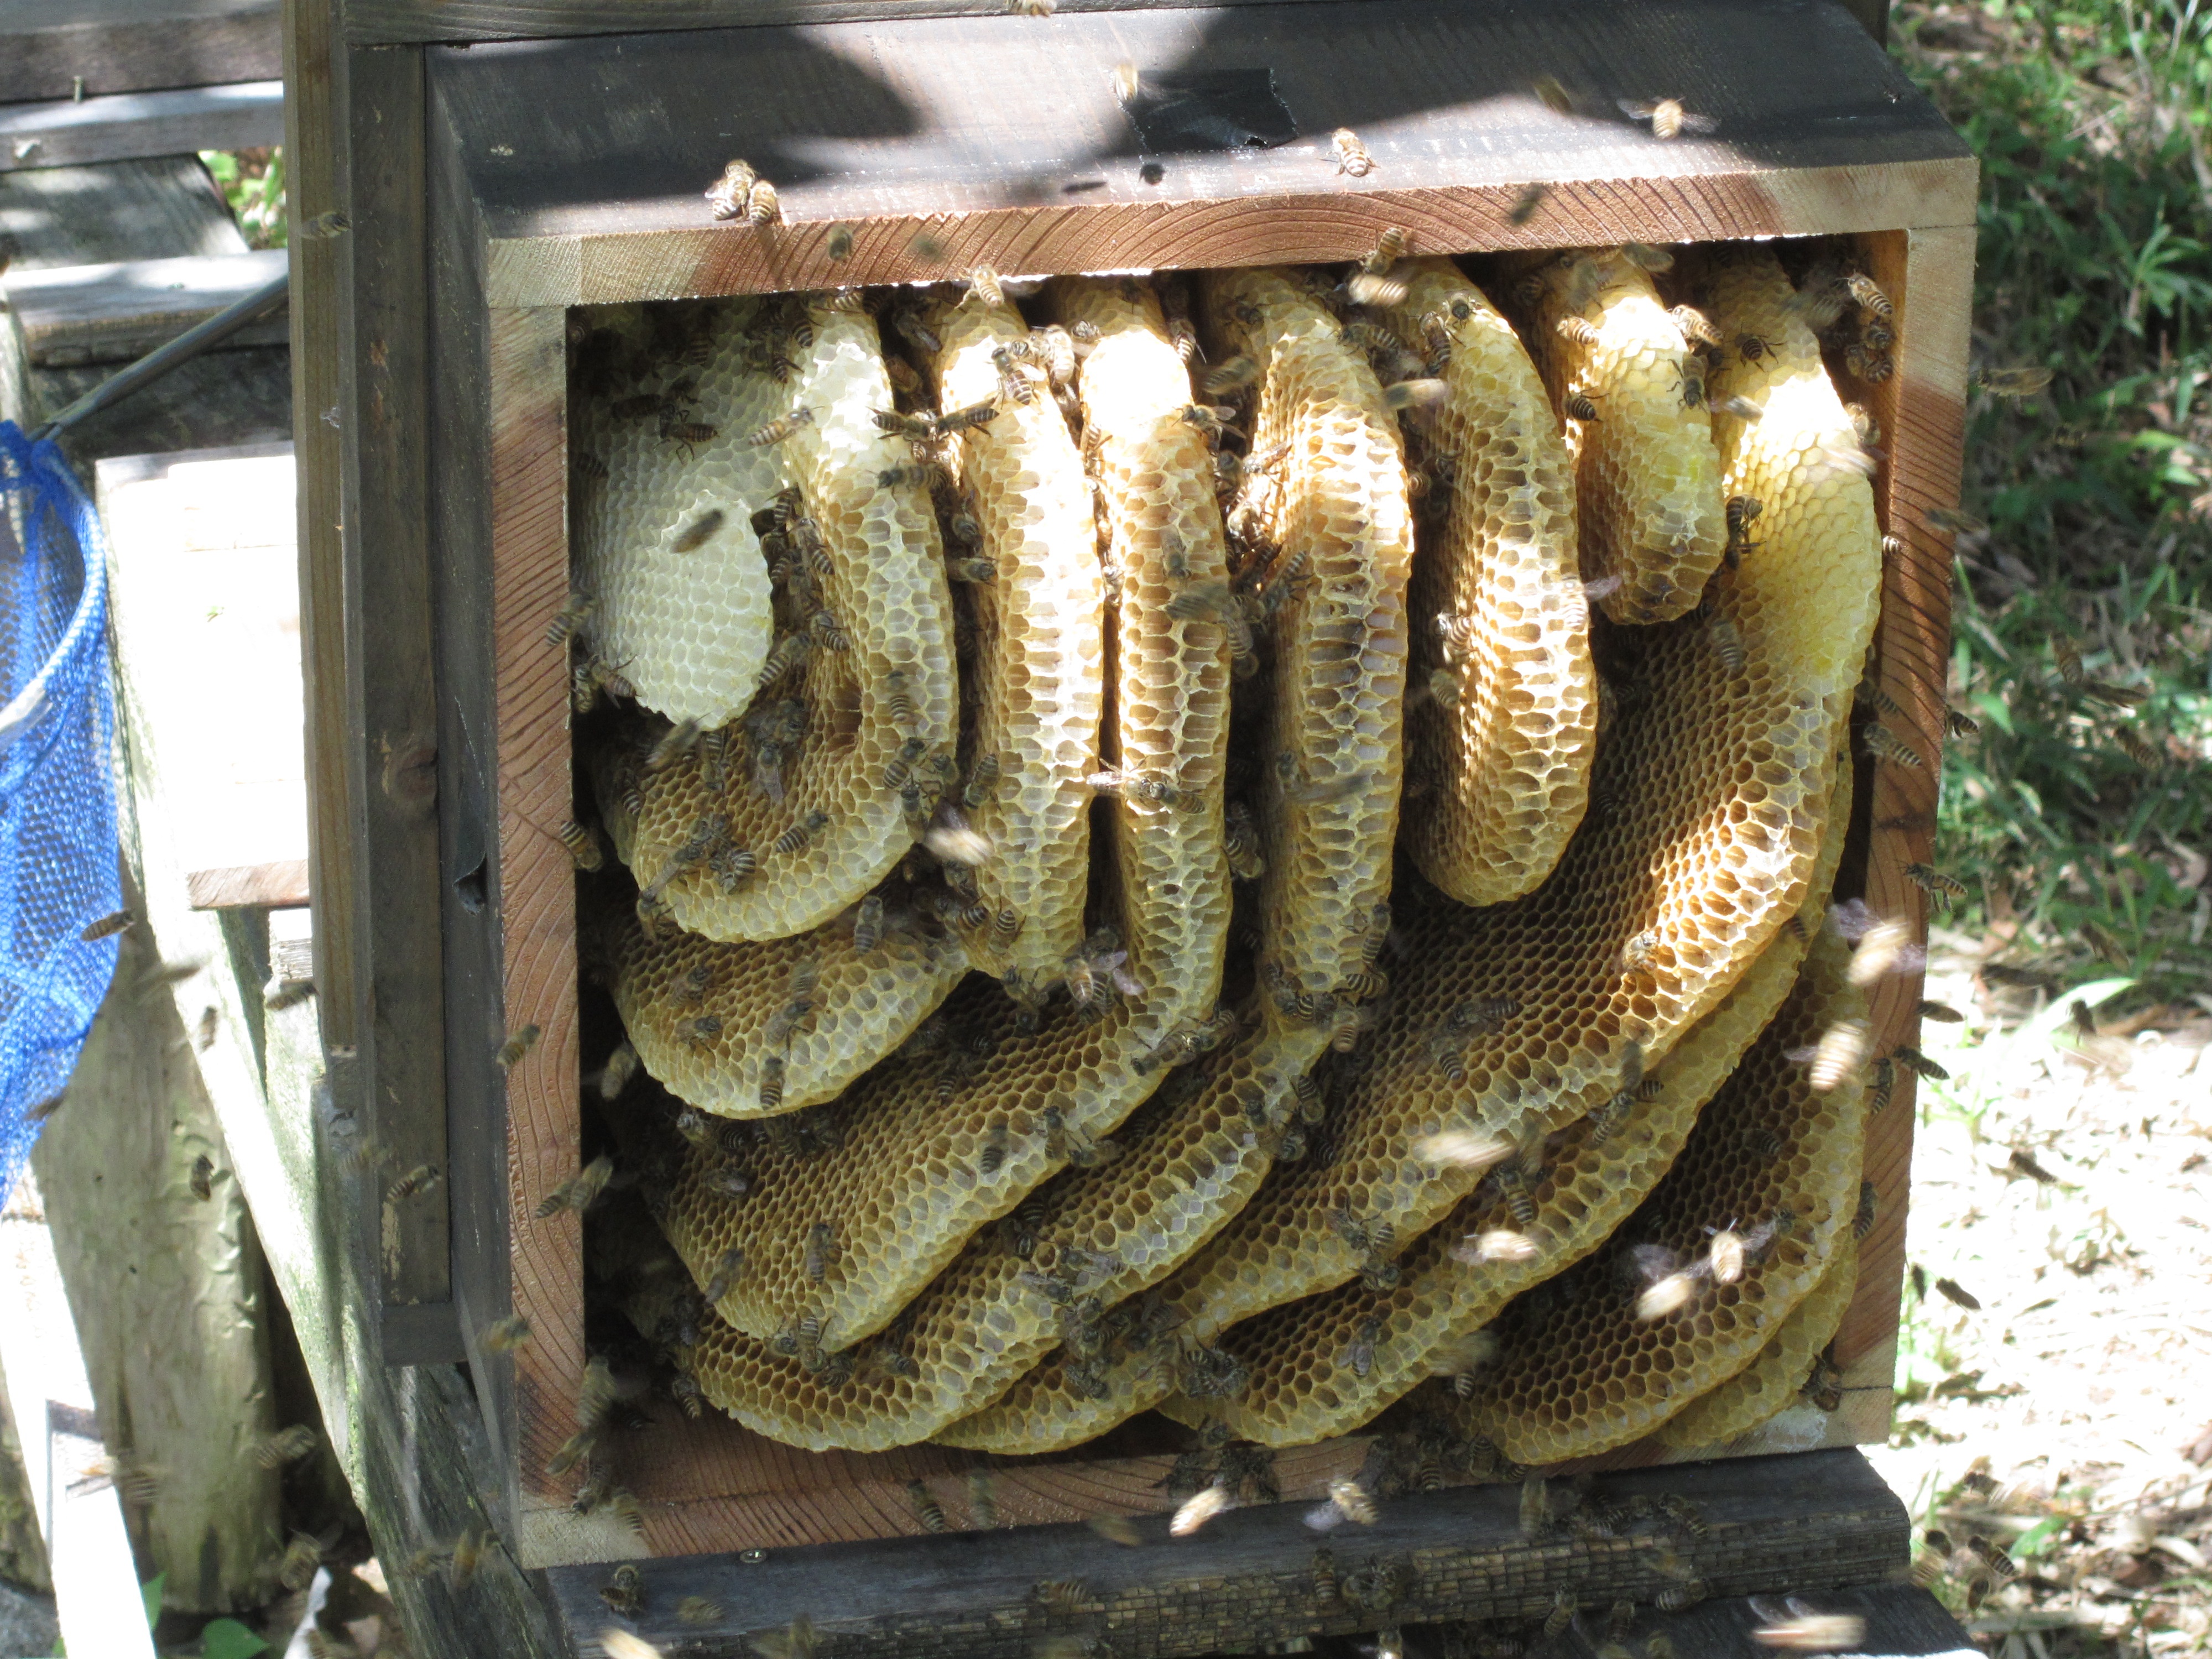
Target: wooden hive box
x=491 y=167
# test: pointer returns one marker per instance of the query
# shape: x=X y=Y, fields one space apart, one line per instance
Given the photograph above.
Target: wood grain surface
x=1806 y=1522
x=109 y=313
x=46 y=46
x=945 y=143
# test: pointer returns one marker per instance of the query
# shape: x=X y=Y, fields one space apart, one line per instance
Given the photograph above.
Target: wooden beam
x=1813 y=1522
x=48 y=46
x=945 y=143
x=251 y=886
x=112 y=313
x=72 y=132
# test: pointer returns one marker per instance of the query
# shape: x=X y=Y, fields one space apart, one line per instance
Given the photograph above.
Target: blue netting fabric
x=57 y=838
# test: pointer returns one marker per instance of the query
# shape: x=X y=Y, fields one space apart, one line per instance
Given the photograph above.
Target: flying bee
x=1669 y=119
x=1954 y=522
x=839 y=247
x=927 y=1509
x=1645 y=256
x=581 y=1190
x=584 y=849
x=1840 y=1052
x=1201 y=1508
x=413 y=1184
x=1917 y=1063
x=679 y=740
x=108 y=926
x=1422 y=393
x=1351 y=156
x=779 y=430
x=1725 y=1256
x=1064 y=1595
x=1867 y=294
x=1934 y=881
x=301 y=1557
x=1884 y=745
x=1232 y=376
x=200 y=1181
x=572 y=614
x=2015 y=382
x=1390 y=248
x=2137 y=748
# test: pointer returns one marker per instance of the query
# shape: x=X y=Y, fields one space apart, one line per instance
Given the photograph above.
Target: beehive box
x=933 y=146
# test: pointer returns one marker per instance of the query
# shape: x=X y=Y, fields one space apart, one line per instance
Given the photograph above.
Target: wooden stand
x=489 y=192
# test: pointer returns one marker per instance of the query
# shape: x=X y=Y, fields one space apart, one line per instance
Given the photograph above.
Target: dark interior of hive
x=1202 y=860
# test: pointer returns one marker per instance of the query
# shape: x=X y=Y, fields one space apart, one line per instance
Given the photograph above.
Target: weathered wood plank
x=392 y=736
x=166 y=1286
x=1928 y=274
x=1005 y=144
x=48 y=46
x=113 y=314
x=73 y=132
x=250 y=886
x=1812 y=1521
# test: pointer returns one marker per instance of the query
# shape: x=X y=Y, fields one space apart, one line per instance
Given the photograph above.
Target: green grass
x=253 y=182
x=2094 y=259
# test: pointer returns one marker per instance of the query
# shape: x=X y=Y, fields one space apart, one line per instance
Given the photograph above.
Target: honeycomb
x=882 y=578
x=703 y=1014
x=1325 y=1365
x=1105 y=1232
x=663 y=536
x=1578 y=1371
x=1709 y=797
x=1499 y=759
x=1005 y=1210
x=1770 y=1385
x=1647 y=483
x=900 y=1193
x=1341 y=545
x=1039 y=623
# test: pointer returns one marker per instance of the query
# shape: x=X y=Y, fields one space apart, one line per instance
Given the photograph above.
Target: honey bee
x=624 y=1593
x=2013 y=382
x=1423 y=393
x=1917 y=1063
x=1067 y=1595
x=821 y=1241
x=1579 y=407
x=1934 y=881
x=779 y=430
x=289 y=1445
x=108 y=926
x=1116 y=1529
x=1229 y=377
x=983 y=284
x=1497 y=1244
x=1952 y=521
x=1580 y=329
x=927 y=1509
x=580 y=1191
x=1841 y=1050
x=965 y=420
x=1882 y=1087
x=771 y=1083
x=1201 y=1508
x=762 y=205
x=728 y=193
x=679 y=740
x=571 y=616
x=698 y=1610
x=1676 y=1597
x=728 y=1266
x=792 y=840
x=2137 y=748
x=572 y=1450
x=972 y=570
x=1351 y=156
x=1726 y=640
x=1645 y=256
x=1667 y=1295
x=1884 y=745
x=1668 y=118
x=1562 y=1614
x=301 y=1557
x=1391 y=246
x=413 y=1184
x=839 y=247
x=1742 y=511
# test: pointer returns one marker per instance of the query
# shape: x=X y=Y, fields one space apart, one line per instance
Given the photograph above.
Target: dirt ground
x=2062 y=1180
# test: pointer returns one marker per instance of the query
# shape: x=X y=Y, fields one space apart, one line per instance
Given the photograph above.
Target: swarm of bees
x=868 y=764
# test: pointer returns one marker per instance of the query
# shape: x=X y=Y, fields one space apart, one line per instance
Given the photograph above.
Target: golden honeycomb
x=1770 y=1385
x=826 y=829
x=1340 y=544
x=1708 y=798
x=1647 y=481
x=899 y=1193
x=664 y=543
x=1498 y=751
x=1582 y=1365
x=1003 y=1210
x=1326 y=1365
x=1090 y=1239
x=1039 y=622
x=705 y=1016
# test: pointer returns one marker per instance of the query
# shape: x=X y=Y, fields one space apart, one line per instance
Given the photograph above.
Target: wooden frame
x=482 y=201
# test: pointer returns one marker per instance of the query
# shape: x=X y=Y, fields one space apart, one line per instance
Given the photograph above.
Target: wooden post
x=166 y=1286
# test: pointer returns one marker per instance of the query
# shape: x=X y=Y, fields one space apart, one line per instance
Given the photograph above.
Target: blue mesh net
x=58 y=868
